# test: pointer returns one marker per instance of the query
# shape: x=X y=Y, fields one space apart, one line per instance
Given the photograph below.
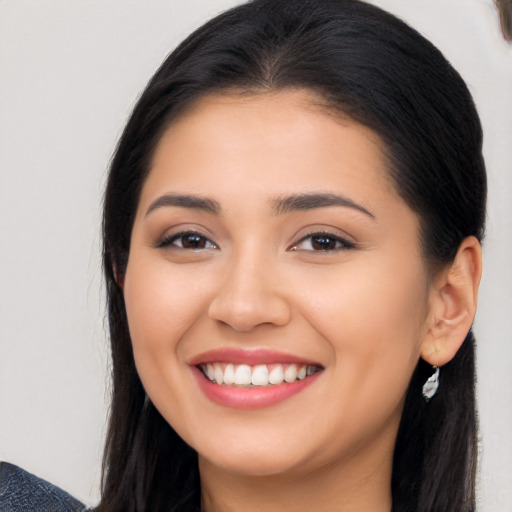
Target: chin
x=262 y=453
x=249 y=464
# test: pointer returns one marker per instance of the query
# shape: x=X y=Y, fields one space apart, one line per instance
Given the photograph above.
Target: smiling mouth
x=261 y=375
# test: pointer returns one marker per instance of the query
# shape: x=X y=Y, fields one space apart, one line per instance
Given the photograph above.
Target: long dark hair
x=369 y=66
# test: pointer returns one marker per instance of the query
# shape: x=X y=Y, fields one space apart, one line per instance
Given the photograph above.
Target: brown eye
x=323 y=242
x=189 y=241
x=193 y=241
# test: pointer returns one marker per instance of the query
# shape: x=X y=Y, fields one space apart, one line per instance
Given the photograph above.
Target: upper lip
x=251 y=357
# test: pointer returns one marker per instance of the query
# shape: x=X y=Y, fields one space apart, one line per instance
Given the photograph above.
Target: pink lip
x=250 y=357
x=251 y=397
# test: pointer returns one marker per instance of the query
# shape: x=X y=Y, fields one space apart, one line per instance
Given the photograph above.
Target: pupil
x=323 y=243
x=193 y=242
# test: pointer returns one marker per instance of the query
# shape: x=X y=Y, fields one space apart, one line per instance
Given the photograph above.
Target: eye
x=322 y=242
x=189 y=240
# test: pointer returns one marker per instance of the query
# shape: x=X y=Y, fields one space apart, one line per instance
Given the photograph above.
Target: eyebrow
x=185 y=201
x=281 y=206
x=310 y=201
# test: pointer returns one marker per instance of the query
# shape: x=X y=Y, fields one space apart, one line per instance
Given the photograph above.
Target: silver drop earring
x=431 y=385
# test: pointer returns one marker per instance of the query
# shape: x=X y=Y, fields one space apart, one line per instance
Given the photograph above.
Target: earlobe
x=453 y=302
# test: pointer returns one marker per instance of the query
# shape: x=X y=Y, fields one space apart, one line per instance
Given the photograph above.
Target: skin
x=364 y=311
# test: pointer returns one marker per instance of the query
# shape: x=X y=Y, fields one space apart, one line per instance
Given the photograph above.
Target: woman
x=262 y=107
x=291 y=249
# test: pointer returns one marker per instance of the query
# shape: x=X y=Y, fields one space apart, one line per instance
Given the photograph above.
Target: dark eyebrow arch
x=185 y=201
x=310 y=201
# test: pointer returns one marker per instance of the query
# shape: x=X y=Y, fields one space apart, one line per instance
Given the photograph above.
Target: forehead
x=269 y=108
x=289 y=134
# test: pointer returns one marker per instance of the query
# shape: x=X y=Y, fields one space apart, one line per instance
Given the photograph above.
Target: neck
x=346 y=487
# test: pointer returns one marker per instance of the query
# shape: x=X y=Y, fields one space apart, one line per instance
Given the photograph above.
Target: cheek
x=161 y=305
x=373 y=325
x=372 y=315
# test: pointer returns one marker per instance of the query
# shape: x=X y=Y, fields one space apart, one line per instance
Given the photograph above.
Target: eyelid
x=346 y=244
x=167 y=241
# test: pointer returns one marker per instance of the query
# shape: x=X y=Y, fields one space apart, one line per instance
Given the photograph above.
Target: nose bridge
x=248 y=294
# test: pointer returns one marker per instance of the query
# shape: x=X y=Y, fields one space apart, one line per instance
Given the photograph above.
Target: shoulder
x=22 y=491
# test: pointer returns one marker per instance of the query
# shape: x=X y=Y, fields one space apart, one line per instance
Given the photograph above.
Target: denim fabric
x=22 y=492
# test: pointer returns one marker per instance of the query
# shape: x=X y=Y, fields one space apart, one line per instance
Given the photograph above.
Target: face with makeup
x=276 y=295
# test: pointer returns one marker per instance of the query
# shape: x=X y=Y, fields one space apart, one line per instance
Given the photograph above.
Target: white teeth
x=260 y=375
x=230 y=374
x=290 y=374
x=276 y=376
x=243 y=375
x=219 y=374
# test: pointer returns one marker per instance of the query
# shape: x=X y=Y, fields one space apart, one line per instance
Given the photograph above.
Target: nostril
x=244 y=313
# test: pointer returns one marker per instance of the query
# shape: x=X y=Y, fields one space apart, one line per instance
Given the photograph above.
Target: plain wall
x=70 y=71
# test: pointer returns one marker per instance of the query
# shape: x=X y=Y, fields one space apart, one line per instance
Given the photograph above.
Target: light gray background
x=70 y=73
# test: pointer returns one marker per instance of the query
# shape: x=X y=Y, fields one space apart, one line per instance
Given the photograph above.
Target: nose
x=250 y=295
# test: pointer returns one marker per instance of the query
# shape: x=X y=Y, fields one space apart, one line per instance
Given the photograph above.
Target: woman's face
x=275 y=291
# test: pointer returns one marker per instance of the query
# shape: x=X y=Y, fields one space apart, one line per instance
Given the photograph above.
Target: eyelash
x=327 y=238
x=170 y=241
x=340 y=244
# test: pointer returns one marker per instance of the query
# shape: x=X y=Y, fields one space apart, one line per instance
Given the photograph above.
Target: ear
x=119 y=277
x=453 y=300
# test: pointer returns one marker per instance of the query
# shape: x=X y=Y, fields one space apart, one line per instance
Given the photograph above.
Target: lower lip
x=256 y=397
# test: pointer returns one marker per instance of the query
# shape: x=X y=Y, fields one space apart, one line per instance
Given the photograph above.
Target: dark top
x=23 y=492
